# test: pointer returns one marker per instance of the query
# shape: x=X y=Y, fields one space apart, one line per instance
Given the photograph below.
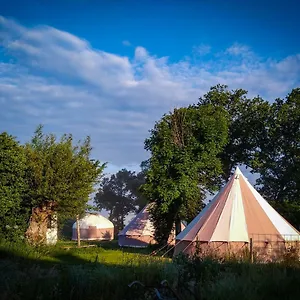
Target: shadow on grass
x=59 y=258
x=104 y=273
x=53 y=273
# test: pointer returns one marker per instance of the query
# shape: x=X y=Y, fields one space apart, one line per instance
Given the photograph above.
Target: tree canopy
x=13 y=186
x=194 y=149
x=278 y=157
x=61 y=177
x=119 y=194
x=247 y=124
x=184 y=163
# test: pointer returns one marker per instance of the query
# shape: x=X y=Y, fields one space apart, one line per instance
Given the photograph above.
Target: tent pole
x=251 y=250
x=78 y=231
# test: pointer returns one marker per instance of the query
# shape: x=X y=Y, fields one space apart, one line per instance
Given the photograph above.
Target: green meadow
x=104 y=272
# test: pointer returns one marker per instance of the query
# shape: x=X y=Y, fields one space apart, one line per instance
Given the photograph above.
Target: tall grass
x=90 y=273
x=103 y=273
x=208 y=278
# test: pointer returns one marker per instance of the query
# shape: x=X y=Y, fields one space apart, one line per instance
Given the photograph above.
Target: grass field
x=104 y=272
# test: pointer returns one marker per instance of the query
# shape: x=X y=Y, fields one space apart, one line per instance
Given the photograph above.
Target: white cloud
x=59 y=80
x=238 y=49
x=140 y=54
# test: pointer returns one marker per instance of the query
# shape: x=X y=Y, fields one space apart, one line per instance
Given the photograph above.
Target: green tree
x=61 y=177
x=248 y=128
x=261 y=135
x=135 y=184
x=119 y=194
x=184 y=164
x=12 y=188
x=278 y=158
x=266 y=137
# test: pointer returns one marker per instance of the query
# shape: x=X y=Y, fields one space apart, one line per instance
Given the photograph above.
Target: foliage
x=208 y=278
x=247 y=124
x=261 y=135
x=135 y=187
x=278 y=160
x=266 y=137
x=119 y=194
x=13 y=216
x=184 y=164
x=61 y=175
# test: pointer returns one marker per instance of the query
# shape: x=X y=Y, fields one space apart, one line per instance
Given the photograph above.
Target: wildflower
x=16 y=227
x=7 y=226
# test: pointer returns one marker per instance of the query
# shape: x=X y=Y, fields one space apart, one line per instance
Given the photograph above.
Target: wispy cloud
x=59 y=80
x=201 y=49
x=126 y=43
x=238 y=49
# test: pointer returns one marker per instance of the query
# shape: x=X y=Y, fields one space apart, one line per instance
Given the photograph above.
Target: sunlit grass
x=68 y=252
x=104 y=272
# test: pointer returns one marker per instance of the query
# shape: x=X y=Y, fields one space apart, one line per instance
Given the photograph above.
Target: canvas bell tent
x=139 y=232
x=93 y=226
x=237 y=214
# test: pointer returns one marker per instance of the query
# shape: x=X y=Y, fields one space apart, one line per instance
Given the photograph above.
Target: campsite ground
x=104 y=272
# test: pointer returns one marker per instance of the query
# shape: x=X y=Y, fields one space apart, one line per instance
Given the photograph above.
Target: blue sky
x=110 y=69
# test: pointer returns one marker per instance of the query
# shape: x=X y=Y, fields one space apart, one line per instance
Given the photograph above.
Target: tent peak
x=238 y=171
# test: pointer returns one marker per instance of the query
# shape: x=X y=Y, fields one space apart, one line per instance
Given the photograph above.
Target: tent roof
x=94 y=219
x=237 y=213
x=140 y=224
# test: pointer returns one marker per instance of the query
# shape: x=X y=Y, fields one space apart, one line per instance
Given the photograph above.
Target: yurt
x=237 y=215
x=93 y=226
x=139 y=232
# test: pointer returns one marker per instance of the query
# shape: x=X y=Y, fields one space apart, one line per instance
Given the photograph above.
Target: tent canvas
x=236 y=214
x=139 y=232
x=93 y=226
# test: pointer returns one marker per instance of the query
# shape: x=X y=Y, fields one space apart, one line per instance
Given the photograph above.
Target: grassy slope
x=104 y=273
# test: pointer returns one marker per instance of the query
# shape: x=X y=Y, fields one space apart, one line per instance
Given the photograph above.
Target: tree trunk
x=40 y=220
x=177 y=226
x=122 y=222
x=78 y=231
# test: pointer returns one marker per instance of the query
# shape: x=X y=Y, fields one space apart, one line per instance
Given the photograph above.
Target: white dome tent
x=93 y=227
